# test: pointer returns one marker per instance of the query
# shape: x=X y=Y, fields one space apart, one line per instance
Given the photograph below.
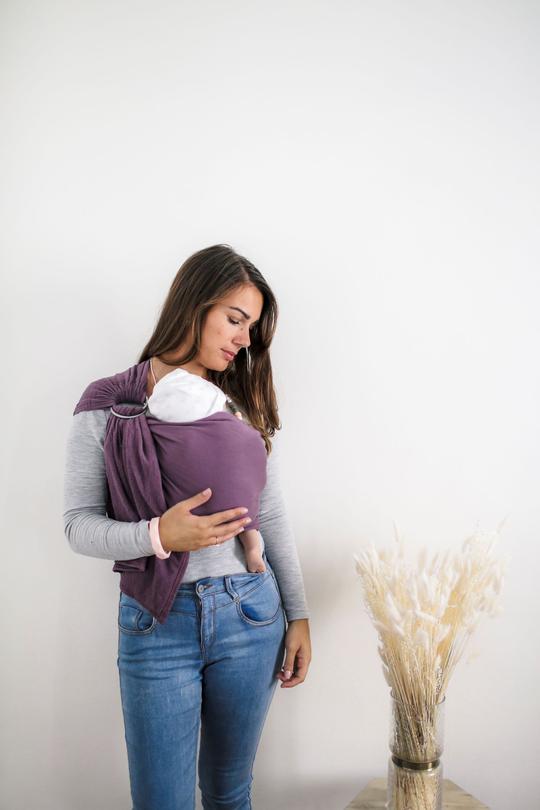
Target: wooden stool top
x=373 y=797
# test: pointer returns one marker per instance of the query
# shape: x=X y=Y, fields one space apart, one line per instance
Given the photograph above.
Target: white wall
x=378 y=161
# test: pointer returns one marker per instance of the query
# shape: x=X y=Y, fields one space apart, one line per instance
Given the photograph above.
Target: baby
x=183 y=397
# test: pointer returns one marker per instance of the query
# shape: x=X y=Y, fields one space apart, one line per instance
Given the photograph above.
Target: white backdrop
x=378 y=161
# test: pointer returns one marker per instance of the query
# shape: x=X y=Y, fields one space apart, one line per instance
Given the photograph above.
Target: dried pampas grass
x=424 y=615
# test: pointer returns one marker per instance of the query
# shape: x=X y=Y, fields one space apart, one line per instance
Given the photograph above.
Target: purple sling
x=151 y=465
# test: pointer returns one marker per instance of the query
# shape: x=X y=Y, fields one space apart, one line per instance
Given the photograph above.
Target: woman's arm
x=280 y=545
x=86 y=525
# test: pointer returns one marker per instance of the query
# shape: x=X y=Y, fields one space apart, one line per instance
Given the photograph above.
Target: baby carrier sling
x=145 y=465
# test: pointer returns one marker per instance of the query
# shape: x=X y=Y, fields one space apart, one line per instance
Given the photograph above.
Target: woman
x=201 y=639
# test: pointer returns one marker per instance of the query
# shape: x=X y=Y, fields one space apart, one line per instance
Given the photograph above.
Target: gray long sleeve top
x=91 y=532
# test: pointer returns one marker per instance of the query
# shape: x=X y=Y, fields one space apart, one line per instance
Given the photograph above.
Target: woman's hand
x=179 y=530
x=297 y=653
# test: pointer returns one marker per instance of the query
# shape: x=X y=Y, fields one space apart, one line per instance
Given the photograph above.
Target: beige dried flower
x=424 y=614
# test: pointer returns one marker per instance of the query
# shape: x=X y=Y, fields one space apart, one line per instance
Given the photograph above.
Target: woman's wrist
x=153 y=528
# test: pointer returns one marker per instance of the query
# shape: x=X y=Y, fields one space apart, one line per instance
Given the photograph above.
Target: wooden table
x=373 y=797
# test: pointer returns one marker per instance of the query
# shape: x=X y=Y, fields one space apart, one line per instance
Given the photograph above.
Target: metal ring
x=415 y=766
x=132 y=416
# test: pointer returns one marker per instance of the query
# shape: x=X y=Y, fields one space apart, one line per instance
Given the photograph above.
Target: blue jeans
x=210 y=667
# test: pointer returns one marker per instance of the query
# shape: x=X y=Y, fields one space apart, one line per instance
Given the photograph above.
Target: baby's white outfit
x=181 y=396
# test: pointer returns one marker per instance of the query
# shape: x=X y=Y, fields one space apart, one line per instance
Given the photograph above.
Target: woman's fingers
x=297 y=660
x=226 y=531
x=231 y=528
x=223 y=517
x=214 y=541
x=299 y=676
x=196 y=500
x=219 y=526
x=180 y=530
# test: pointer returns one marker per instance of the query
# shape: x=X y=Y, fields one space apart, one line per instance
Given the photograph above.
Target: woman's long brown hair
x=202 y=281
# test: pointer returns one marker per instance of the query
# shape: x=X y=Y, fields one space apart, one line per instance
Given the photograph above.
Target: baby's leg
x=252 y=546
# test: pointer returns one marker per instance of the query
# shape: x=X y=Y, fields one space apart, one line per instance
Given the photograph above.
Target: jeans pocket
x=133 y=618
x=261 y=603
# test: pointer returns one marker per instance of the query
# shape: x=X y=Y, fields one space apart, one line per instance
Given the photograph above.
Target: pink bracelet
x=153 y=528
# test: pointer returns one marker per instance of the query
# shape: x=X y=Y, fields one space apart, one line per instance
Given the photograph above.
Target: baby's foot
x=254 y=561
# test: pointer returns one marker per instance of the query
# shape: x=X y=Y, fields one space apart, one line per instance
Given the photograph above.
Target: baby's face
x=227 y=327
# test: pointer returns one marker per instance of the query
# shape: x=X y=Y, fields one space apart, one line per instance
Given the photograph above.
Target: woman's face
x=226 y=329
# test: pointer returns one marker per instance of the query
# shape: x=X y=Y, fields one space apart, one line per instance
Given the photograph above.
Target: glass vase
x=415 y=777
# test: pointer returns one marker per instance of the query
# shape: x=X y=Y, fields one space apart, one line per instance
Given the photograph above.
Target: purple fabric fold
x=151 y=465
